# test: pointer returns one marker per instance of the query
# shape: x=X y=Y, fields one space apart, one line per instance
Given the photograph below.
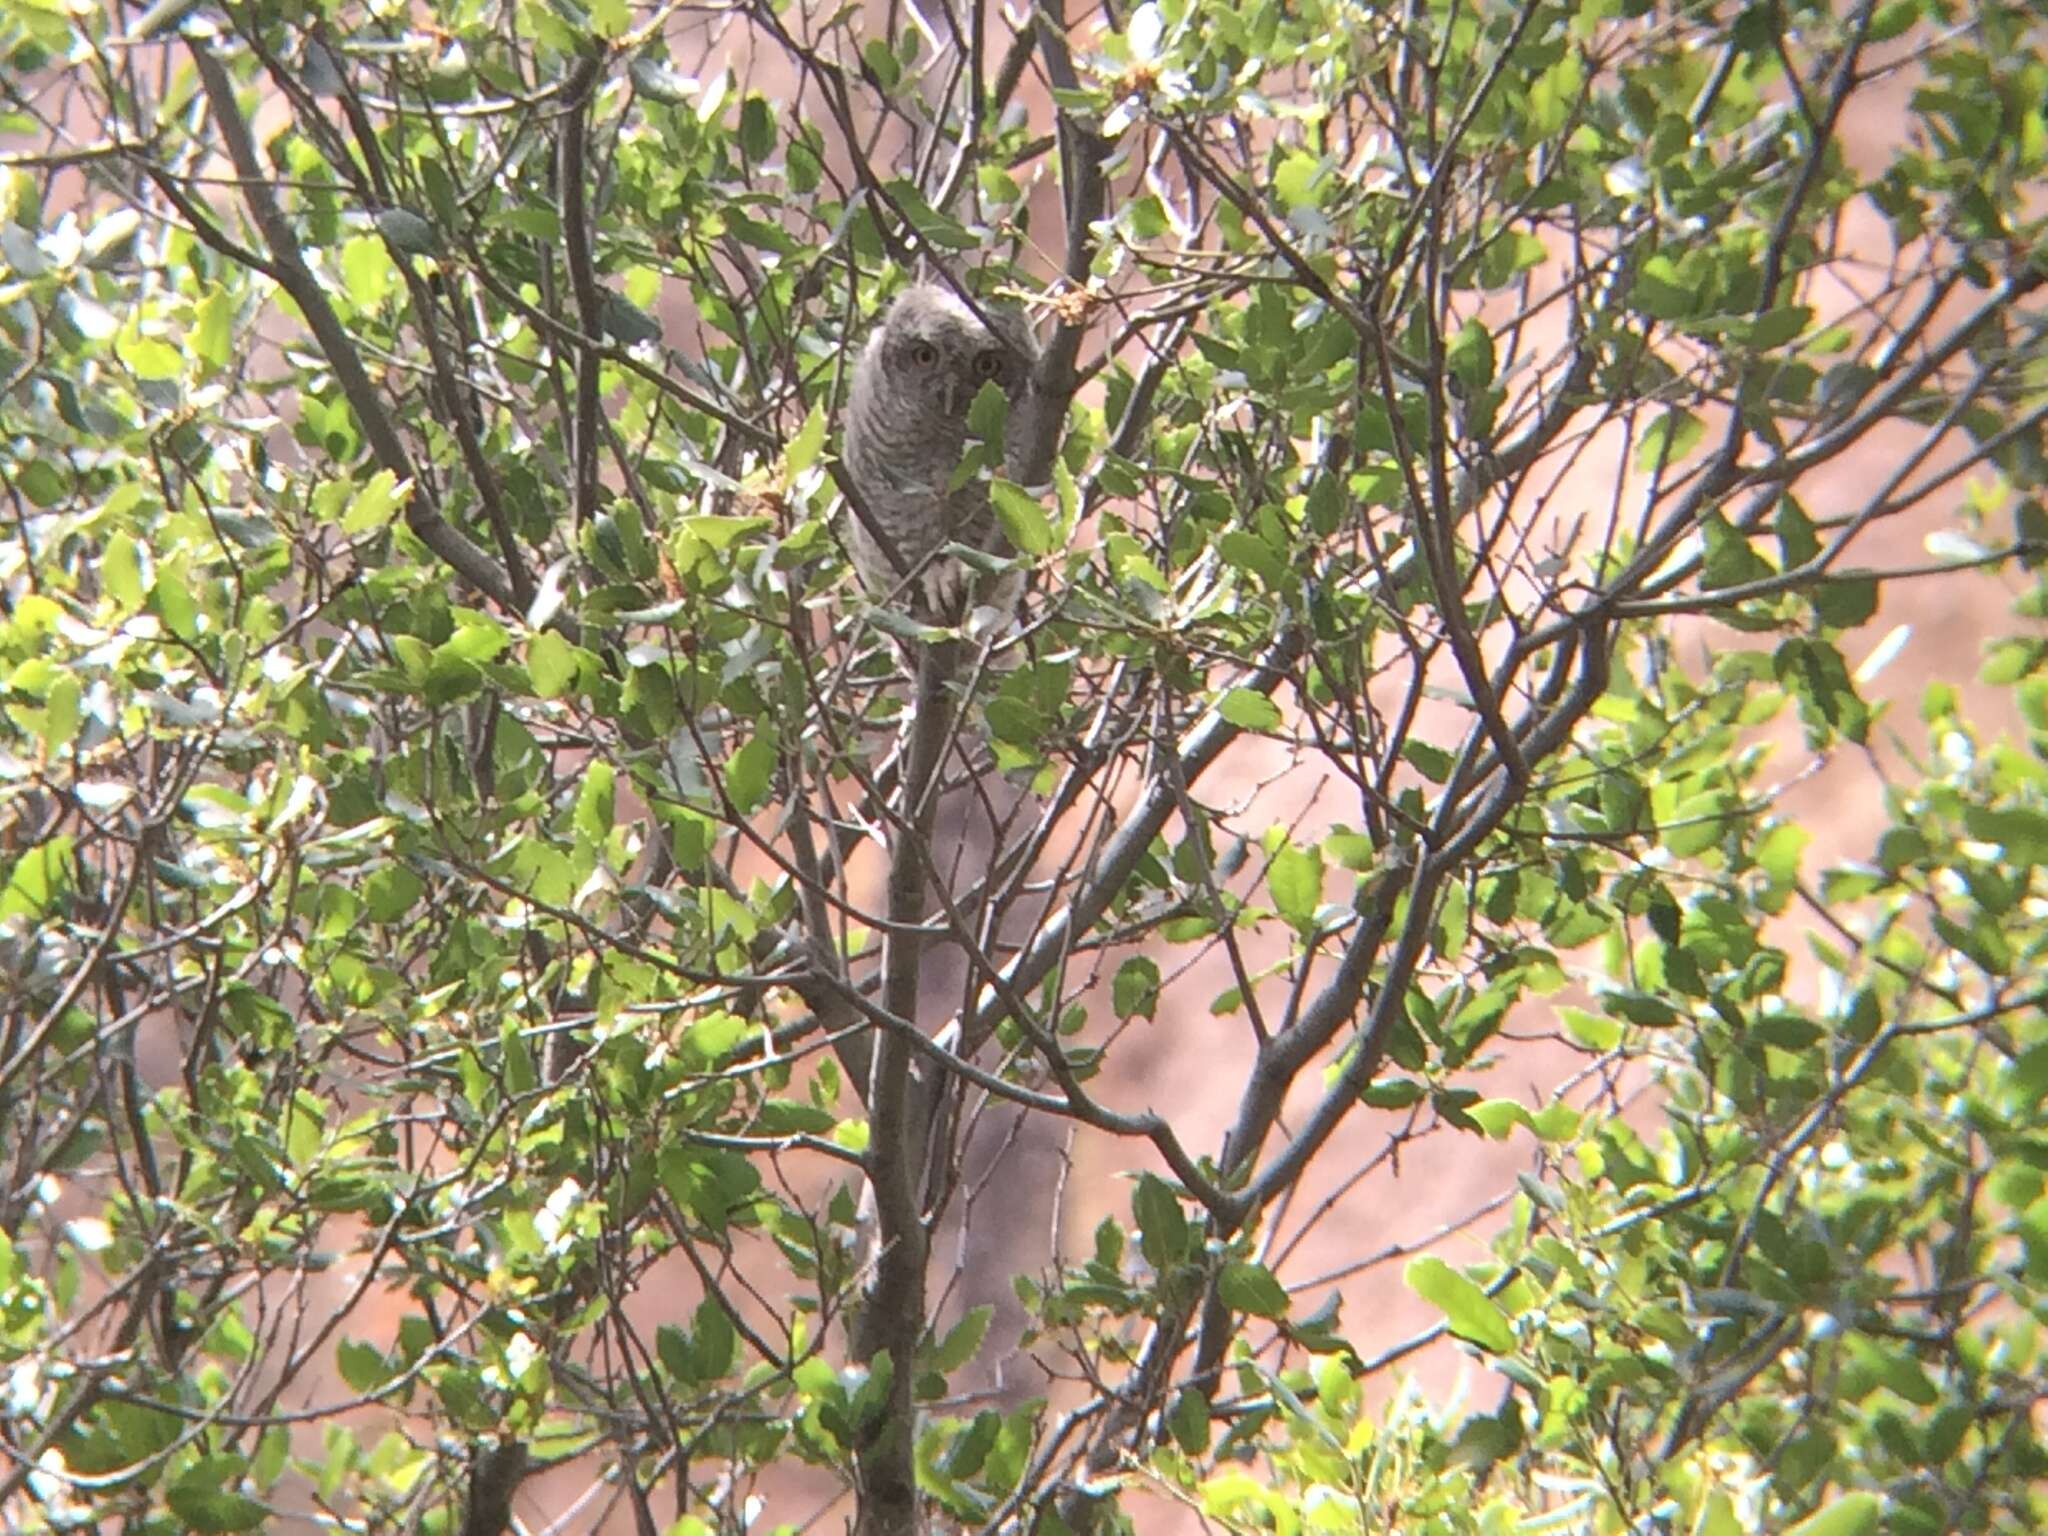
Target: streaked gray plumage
x=906 y=427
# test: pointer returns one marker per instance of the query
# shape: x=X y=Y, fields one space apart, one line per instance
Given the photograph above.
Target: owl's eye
x=924 y=354
x=988 y=365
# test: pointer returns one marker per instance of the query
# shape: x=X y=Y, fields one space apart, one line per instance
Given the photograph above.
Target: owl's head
x=938 y=352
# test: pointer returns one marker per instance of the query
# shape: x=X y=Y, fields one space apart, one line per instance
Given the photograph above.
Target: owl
x=906 y=428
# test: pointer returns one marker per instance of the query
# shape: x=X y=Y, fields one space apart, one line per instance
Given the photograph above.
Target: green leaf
x=1894 y=1366
x=787 y=1117
x=713 y=1340
x=1295 y=880
x=803 y=448
x=594 y=801
x=1850 y=1514
x=1145 y=217
x=1252 y=1288
x=202 y=1500
x=1131 y=564
x=1497 y=1117
x=672 y=1348
x=1638 y=1007
x=552 y=663
x=1813 y=672
x=1775 y=327
x=245 y=532
x=1668 y=439
x=376 y=503
x=1188 y=1419
x=968 y=1453
x=390 y=892
x=1024 y=521
x=39 y=877
x=711 y=1036
x=1432 y=762
x=1163 y=1232
x=1469 y=1311
x=1351 y=850
x=2022 y=833
x=750 y=776
x=1660 y=292
x=1248 y=552
x=988 y=414
x=1595 y=1031
x=1392 y=1093
x=362 y=1366
x=1508 y=256
x=1798 y=539
x=121 y=571
x=1135 y=990
x=60 y=713
x=368 y=274
x=903 y=193
x=213 y=328
x=1731 y=561
x=1845 y=601
x=757 y=127
x=708 y=1182
x=173 y=602
x=477 y=638
x=962 y=1340
x=272 y=1454
x=1470 y=356
x=1556 y=1122
x=1296 y=180
x=149 y=358
x=721 y=532
x=1249 y=709
x=42 y=482
x=1552 y=96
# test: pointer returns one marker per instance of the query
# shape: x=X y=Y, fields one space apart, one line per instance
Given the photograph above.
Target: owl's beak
x=950 y=395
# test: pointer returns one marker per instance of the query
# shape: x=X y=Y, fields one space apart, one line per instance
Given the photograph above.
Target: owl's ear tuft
x=1013 y=328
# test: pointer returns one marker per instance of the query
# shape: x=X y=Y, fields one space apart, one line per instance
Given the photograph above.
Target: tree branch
x=571 y=175
x=456 y=548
